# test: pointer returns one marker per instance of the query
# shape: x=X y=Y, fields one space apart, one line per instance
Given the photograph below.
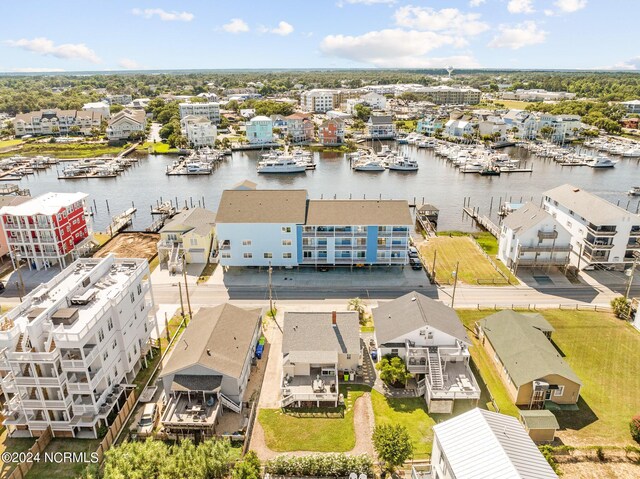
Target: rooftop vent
x=334 y=319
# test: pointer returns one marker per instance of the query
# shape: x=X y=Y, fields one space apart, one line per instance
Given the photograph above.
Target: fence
x=247 y=434
x=534 y=307
x=39 y=446
x=490 y=259
x=114 y=429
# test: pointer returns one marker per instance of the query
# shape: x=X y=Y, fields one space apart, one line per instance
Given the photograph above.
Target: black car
x=415 y=263
x=413 y=252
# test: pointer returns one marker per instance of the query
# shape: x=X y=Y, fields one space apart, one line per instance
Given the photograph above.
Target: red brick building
x=331 y=132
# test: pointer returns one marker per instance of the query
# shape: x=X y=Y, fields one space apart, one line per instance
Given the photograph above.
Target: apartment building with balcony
x=285 y=228
x=299 y=128
x=531 y=237
x=601 y=232
x=47 y=230
x=68 y=350
x=126 y=123
x=319 y=351
x=380 y=127
x=208 y=110
x=118 y=99
x=56 y=122
x=434 y=345
x=331 y=132
x=451 y=95
x=199 y=131
x=319 y=100
x=260 y=131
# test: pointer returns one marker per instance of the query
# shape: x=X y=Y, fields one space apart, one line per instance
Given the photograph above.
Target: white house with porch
x=434 y=345
x=319 y=350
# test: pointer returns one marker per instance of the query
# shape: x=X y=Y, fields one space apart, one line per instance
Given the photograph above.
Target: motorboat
x=197 y=168
x=402 y=163
x=631 y=153
x=601 y=162
x=369 y=164
x=281 y=164
x=634 y=191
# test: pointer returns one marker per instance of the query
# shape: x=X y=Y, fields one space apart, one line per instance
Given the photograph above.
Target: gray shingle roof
x=359 y=212
x=526 y=217
x=198 y=219
x=524 y=350
x=314 y=332
x=591 y=207
x=262 y=206
x=539 y=419
x=380 y=119
x=414 y=311
x=193 y=382
x=217 y=338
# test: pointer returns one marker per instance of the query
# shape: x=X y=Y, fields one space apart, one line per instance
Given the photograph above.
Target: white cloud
x=37 y=70
x=282 y=29
x=163 y=15
x=518 y=36
x=67 y=51
x=448 y=20
x=129 y=64
x=570 y=6
x=631 y=64
x=476 y=3
x=520 y=6
x=549 y=12
x=236 y=25
x=394 y=48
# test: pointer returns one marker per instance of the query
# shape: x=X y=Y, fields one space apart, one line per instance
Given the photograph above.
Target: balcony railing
x=601 y=230
x=598 y=244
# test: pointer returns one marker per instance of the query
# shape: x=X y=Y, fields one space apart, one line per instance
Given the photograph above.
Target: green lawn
x=9 y=143
x=605 y=354
x=158 y=148
x=312 y=429
x=409 y=412
x=8 y=444
x=69 y=150
x=64 y=469
x=474 y=267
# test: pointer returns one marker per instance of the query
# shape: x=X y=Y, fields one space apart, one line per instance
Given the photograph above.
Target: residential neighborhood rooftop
x=199 y=220
x=358 y=212
x=47 y=204
x=525 y=217
x=315 y=332
x=262 y=206
x=588 y=205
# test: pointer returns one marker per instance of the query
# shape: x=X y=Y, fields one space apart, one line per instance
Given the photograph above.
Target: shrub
x=320 y=465
x=393 y=371
x=634 y=427
x=600 y=453
x=547 y=452
x=392 y=444
x=621 y=307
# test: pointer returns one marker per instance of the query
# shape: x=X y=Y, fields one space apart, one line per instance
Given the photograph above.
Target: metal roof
x=486 y=444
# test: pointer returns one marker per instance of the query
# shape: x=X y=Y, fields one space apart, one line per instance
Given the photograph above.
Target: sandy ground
x=585 y=465
x=131 y=245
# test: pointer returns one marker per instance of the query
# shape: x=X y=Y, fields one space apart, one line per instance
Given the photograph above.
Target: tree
x=621 y=307
x=356 y=304
x=248 y=468
x=393 y=445
x=634 y=427
x=546 y=131
x=362 y=111
x=393 y=371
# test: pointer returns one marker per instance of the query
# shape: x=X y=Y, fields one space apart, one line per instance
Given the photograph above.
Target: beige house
x=319 y=350
x=125 y=123
x=530 y=367
x=190 y=234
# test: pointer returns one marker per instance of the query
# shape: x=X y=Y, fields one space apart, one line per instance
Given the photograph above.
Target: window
x=246 y=242
x=226 y=255
x=268 y=255
x=248 y=255
x=286 y=242
x=114 y=344
x=133 y=297
x=286 y=229
x=105 y=355
x=307 y=254
x=286 y=255
x=394 y=352
x=110 y=324
x=559 y=391
x=348 y=356
x=194 y=241
x=100 y=335
x=139 y=289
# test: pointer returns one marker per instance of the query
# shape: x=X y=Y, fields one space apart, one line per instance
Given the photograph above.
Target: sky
x=103 y=35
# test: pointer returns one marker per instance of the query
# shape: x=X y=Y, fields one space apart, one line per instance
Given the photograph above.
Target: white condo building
x=210 y=110
x=601 y=232
x=318 y=100
x=199 y=131
x=69 y=348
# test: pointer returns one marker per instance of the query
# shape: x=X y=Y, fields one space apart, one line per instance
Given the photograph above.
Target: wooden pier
x=483 y=221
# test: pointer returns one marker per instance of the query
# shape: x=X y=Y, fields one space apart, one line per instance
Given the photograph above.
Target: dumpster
x=259 y=351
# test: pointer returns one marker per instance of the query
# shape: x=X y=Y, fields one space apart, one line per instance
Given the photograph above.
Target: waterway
x=437 y=182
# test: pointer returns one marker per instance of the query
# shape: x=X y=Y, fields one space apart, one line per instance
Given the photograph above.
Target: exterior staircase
x=435 y=369
x=19 y=345
x=287 y=401
x=229 y=404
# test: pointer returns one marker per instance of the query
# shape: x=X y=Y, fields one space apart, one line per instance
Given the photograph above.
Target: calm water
x=437 y=181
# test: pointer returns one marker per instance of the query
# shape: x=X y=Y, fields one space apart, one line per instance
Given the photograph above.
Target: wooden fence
x=118 y=424
x=38 y=447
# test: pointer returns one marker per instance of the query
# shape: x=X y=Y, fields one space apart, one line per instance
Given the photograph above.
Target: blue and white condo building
x=285 y=228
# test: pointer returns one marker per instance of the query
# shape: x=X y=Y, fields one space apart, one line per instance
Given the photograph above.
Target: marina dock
x=483 y=221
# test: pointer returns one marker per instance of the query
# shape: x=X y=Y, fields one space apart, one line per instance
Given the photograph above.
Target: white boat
x=601 y=162
x=427 y=144
x=369 y=164
x=472 y=167
x=631 y=153
x=197 y=168
x=281 y=163
x=402 y=163
x=634 y=191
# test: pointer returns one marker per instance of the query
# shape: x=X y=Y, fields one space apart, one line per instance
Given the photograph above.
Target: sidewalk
x=163 y=276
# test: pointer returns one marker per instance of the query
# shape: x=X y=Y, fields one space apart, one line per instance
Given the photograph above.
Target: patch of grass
x=312 y=429
x=8 y=444
x=69 y=150
x=153 y=264
x=158 y=148
x=473 y=266
x=409 y=412
x=9 y=143
x=512 y=104
x=206 y=273
x=486 y=365
x=101 y=238
x=367 y=329
x=47 y=470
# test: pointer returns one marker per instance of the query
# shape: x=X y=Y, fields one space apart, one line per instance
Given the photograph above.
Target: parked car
x=415 y=264
x=413 y=252
x=148 y=420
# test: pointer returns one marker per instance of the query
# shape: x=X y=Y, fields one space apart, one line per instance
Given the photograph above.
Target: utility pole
x=181 y=303
x=455 y=283
x=433 y=268
x=270 y=292
x=186 y=286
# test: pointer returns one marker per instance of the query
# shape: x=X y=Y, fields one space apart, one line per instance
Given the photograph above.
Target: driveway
x=154 y=133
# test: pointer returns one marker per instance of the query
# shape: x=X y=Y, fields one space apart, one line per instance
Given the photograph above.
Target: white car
x=148 y=420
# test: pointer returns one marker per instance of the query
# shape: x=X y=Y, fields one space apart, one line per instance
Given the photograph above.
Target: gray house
x=209 y=368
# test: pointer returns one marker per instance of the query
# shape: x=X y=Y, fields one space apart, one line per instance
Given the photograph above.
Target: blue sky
x=99 y=35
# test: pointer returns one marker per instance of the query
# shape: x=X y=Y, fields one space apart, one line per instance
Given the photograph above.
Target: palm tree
x=356 y=304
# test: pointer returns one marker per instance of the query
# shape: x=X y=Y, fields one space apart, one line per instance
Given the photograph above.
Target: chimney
x=334 y=316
